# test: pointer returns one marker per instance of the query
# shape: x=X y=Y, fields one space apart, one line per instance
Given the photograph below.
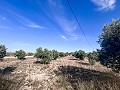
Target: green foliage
x=2 y=51
x=92 y=57
x=80 y=54
x=61 y=54
x=20 y=54
x=44 y=61
x=109 y=40
x=44 y=55
x=55 y=54
x=39 y=53
x=30 y=54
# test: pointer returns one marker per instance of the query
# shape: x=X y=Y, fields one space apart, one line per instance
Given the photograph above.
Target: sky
x=29 y=24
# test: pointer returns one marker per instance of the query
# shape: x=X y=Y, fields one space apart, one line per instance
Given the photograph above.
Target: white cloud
x=63 y=37
x=35 y=26
x=69 y=27
x=104 y=4
x=24 y=21
x=66 y=23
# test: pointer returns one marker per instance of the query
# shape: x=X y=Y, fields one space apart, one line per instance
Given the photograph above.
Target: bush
x=2 y=51
x=79 y=54
x=44 y=55
x=61 y=54
x=109 y=40
x=55 y=54
x=20 y=54
x=39 y=53
x=92 y=57
x=44 y=61
x=30 y=54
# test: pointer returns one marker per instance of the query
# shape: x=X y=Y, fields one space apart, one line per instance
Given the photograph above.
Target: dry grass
x=66 y=73
x=76 y=78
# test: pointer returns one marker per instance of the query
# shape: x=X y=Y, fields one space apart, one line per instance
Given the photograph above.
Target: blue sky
x=29 y=24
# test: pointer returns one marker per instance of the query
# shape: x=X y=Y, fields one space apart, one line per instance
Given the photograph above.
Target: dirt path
x=29 y=75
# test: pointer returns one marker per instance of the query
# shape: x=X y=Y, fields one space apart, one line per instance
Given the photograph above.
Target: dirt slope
x=29 y=75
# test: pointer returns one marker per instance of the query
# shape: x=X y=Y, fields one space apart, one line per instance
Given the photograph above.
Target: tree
x=20 y=54
x=92 y=57
x=30 y=54
x=109 y=40
x=55 y=54
x=79 y=54
x=61 y=54
x=44 y=55
x=39 y=53
x=2 y=51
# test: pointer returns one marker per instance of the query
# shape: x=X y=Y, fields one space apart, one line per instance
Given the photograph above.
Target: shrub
x=109 y=40
x=20 y=54
x=92 y=57
x=2 y=51
x=30 y=54
x=44 y=61
x=44 y=55
x=55 y=54
x=61 y=54
x=39 y=53
x=79 y=54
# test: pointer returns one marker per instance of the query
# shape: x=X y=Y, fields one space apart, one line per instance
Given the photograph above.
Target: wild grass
x=75 y=78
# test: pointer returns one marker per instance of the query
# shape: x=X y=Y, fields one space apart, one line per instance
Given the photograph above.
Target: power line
x=79 y=25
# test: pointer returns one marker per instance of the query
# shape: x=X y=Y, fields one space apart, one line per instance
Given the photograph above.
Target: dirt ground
x=30 y=75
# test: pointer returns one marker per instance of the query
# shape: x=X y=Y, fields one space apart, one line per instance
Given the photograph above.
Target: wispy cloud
x=35 y=26
x=104 y=4
x=63 y=37
x=22 y=20
x=59 y=15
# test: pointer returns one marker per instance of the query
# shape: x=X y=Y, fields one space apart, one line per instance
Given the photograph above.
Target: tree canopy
x=109 y=40
x=2 y=51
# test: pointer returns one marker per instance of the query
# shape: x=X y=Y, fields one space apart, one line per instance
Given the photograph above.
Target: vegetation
x=62 y=54
x=92 y=57
x=77 y=78
x=2 y=51
x=45 y=56
x=79 y=54
x=20 y=54
x=109 y=40
x=55 y=54
x=30 y=54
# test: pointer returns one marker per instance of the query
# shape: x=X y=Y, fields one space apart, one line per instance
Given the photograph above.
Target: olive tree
x=20 y=54
x=43 y=55
x=109 y=40
x=55 y=54
x=79 y=54
x=2 y=51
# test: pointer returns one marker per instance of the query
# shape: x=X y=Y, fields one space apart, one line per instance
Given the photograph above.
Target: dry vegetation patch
x=65 y=73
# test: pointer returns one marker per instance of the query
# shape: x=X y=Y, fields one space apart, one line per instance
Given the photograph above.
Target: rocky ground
x=30 y=75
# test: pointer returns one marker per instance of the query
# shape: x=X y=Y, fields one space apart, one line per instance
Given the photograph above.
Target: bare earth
x=34 y=76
